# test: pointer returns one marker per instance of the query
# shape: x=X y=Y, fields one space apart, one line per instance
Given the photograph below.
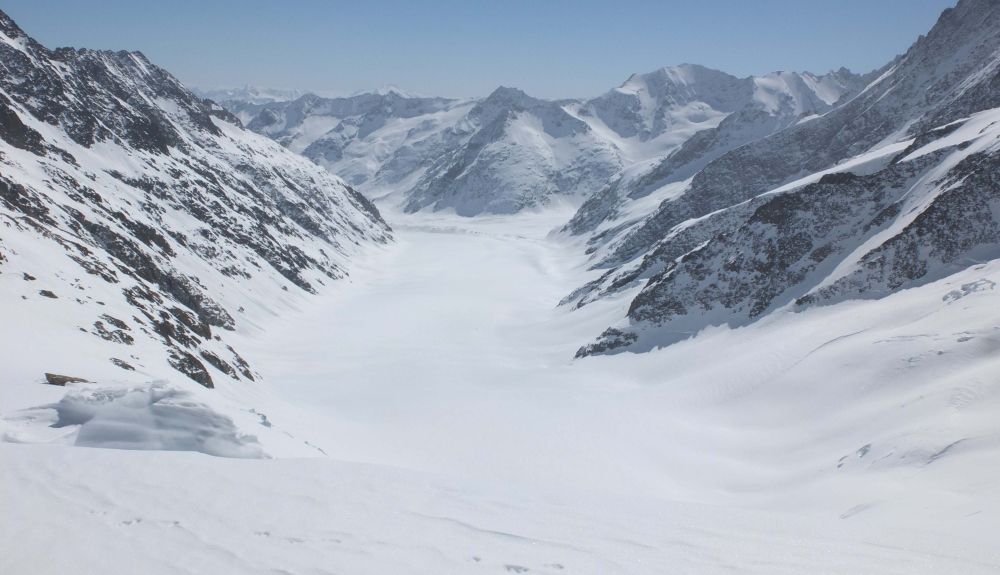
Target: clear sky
x=549 y=48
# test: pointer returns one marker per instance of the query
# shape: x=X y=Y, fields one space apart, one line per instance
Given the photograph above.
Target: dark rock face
x=786 y=248
x=611 y=339
x=962 y=225
x=786 y=240
x=13 y=131
x=190 y=366
x=122 y=364
x=113 y=329
x=130 y=180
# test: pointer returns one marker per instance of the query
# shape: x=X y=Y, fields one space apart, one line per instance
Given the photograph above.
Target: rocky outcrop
x=61 y=380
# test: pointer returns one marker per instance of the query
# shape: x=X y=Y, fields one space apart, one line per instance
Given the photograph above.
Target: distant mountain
x=720 y=199
x=668 y=101
x=248 y=94
x=893 y=188
x=373 y=140
x=756 y=107
x=510 y=151
x=142 y=225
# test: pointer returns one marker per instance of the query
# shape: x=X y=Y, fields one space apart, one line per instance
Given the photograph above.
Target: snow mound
x=155 y=416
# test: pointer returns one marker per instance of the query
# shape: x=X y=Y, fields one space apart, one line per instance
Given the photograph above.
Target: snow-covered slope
x=912 y=199
x=945 y=76
x=140 y=225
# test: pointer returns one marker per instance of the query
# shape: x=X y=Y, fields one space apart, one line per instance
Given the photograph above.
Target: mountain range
x=716 y=199
x=510 y=151
x=722 y=198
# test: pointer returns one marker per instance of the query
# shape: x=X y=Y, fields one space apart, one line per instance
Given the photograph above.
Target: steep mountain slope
x=142 y=225
x=912 y=200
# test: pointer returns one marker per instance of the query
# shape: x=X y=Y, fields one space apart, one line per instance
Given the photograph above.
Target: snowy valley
x=697 y=324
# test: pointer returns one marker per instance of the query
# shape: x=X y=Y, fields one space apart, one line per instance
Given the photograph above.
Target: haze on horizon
x=551 y=49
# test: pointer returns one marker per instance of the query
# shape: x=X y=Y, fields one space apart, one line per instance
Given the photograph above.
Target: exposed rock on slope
x=913 y=200
x=155 y=218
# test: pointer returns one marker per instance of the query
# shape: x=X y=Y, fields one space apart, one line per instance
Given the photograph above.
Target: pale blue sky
x=549 y=48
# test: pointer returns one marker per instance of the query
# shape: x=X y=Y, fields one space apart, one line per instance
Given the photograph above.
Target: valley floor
x=427 y=416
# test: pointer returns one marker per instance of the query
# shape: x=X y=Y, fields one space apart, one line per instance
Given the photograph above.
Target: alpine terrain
x=699 y=323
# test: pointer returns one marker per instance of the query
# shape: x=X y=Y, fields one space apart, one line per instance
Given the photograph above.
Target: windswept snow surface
x=425 y=415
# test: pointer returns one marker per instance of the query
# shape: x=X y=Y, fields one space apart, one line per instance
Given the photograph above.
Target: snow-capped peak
x=389 y=90
x=803 y=92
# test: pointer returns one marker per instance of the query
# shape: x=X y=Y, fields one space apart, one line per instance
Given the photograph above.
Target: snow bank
x=154 y=416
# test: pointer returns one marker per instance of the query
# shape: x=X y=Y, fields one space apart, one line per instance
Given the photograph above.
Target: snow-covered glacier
x=696 y=324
